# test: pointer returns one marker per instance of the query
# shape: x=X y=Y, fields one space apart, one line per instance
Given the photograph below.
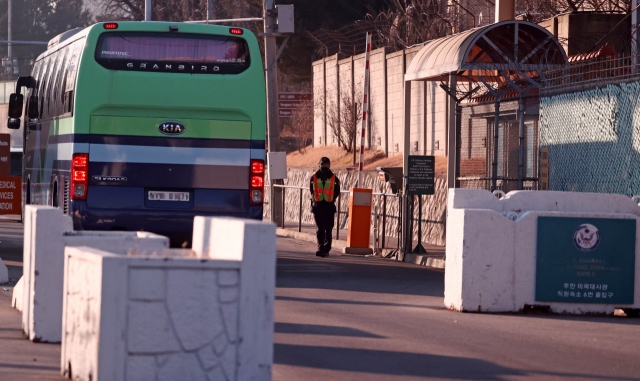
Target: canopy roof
x=493 y=51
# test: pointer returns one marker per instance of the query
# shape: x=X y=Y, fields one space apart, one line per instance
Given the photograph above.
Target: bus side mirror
x=13 y=123
x=33 y=107
x=15 y=105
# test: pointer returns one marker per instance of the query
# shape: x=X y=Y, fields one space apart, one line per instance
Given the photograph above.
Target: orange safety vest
x=323 y=192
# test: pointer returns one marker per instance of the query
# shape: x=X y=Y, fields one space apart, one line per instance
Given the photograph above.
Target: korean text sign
x=585 y=260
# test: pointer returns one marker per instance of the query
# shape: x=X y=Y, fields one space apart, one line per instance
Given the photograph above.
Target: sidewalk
x=434 y=258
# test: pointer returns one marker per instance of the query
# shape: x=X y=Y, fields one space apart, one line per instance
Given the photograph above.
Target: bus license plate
x=168 y=196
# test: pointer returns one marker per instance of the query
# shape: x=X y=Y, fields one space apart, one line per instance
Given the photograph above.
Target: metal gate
x=480 y=146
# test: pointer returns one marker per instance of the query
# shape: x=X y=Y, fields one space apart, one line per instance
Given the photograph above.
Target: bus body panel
x=115 y=117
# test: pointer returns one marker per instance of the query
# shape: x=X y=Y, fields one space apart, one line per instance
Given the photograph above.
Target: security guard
x=325 y=189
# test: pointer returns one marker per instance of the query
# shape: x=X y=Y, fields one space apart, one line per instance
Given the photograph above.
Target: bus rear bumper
x=175 y=224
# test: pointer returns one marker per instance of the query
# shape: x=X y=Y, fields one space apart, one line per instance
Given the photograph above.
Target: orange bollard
x=359 y=232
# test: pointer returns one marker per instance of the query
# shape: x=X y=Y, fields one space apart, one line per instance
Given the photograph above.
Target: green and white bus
x=143 y=125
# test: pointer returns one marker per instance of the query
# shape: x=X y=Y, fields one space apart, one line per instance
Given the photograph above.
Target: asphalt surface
x=354 y=318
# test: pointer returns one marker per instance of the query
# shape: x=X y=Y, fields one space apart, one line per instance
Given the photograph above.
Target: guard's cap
x=325 y=160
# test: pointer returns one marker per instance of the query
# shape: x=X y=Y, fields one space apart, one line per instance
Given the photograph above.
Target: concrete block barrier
x=47 y=232
x=201 y=314
x=571 y=252
x=17 y=296
x=4 y=272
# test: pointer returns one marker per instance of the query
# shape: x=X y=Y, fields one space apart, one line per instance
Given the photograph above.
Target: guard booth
x=507 y=56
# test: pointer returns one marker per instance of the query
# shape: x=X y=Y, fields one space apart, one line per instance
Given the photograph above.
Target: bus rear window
x=179 y=53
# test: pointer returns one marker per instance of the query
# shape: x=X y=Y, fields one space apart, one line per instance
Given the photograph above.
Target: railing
x=502 y=183
x=587 y=74
x=374 y=211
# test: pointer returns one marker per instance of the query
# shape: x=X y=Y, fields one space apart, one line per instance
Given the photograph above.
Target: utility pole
x=271 y=71
x=10 y=38
x=635 y=36
x=210 y=12
x=273 y=129
x=147 y=10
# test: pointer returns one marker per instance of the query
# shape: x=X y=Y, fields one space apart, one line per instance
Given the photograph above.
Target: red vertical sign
x=10 y=195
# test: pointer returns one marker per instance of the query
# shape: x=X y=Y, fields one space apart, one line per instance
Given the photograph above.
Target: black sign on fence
x=421 y=175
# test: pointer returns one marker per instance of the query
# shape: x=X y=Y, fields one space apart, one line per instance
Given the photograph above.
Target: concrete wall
x=491 y=247
x=332 y=84
x=319 y=126
x=378 y=96
x=582 y=32
x=396 y=68
x=385 y=130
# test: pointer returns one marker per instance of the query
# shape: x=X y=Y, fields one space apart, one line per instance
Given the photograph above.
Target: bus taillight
x=79 y=176
x=256 y=184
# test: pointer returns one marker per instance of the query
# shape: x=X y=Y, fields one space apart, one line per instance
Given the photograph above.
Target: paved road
x=349 y=318
x=354 y=318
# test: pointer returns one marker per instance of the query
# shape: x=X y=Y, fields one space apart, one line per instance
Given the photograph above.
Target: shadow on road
x=355 y=302
x=329 y=330
x=391 y=363
x=349 y=273
x=588 y=319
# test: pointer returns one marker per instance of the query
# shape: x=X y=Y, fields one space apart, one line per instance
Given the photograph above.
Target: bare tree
x=302 y=124
x=538 y=10
x=173 y=10
x=409 y=22
x=344 y=116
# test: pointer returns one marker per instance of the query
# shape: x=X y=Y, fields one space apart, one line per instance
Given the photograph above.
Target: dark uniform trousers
x=324 y=214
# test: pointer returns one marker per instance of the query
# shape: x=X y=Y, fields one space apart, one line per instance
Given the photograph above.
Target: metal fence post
x=338 y=223
x=384 y=219
x=300 y=213
x=284 y=191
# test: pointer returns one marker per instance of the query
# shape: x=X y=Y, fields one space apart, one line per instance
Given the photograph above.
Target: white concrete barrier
x=17 y=296
x=495 y=250
x=4 y=272
x=47 y=231
x=205 y=314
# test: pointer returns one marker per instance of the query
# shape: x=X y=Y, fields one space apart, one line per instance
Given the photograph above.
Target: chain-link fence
x=593 y=139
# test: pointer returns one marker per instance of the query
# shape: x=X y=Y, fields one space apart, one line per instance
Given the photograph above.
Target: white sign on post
x=277 y=162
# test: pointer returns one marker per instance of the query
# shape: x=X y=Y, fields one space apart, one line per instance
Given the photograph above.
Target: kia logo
x=171 y=128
